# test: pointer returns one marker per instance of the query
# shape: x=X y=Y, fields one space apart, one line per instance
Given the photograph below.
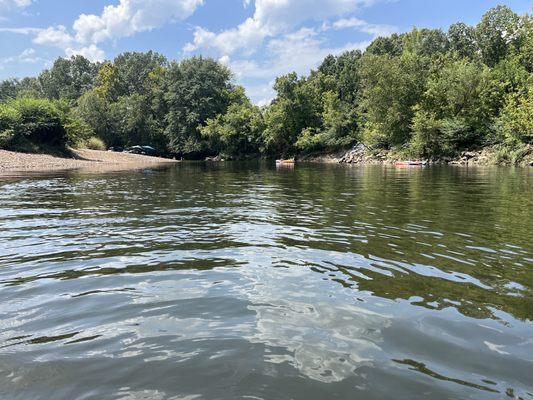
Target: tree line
x=425 y=93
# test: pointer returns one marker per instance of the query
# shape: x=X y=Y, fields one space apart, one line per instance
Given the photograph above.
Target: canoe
x=286 y=162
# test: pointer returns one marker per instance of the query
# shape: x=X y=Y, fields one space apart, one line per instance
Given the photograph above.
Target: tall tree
x=391 y=87
x=455 y=111
x=133 y=71
x=196 y=90
x=462 y=38
x=496 y=33
x=68 y=78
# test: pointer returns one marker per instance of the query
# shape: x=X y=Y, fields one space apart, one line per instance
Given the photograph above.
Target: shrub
x=95 y=143
x=77 y=130
x=8 y=120
x=516 y=120
x=30 y=124
x=39 y=122
x=310 y=140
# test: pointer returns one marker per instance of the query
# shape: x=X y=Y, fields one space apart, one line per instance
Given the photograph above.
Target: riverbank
x=81 y=159
x=361 y=155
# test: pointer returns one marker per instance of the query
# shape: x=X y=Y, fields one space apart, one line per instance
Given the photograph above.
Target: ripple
x=234 y=281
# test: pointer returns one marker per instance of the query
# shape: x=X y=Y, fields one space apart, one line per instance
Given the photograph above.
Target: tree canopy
x=427 y=92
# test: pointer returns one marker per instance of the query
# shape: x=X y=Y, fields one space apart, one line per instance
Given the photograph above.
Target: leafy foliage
x=454 y=112
x=195 y=90
x=31 y=121
x=238 y=131
x=94 y=143
x=516 y=120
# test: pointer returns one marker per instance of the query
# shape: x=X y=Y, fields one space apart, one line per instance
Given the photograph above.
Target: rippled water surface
x=246 y=282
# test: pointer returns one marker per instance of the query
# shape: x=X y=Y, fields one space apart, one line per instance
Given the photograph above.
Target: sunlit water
x=246 y=282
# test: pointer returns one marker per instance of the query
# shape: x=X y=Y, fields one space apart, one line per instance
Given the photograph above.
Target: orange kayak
x=286 y=162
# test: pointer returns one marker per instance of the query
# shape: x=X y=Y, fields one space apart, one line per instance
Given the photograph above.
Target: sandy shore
x=86 y=159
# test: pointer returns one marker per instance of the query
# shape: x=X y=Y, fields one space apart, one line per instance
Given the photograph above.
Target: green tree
x=516 y=120
x=237 y=132
x=68 y=78
x=296 y=107
x=425 y=42
x=387 y=46
x=95 y=111
x=496 y=33
x=8 y=89
x=456 y=110
x=133 y=71
x=28 y=124
x=524 y=48
x=196 y=90
x=391 y=87
x=462 y=39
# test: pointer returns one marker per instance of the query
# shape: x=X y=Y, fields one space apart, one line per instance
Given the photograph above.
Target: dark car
x=135 y=150
x=149 y=151
x=144 y=150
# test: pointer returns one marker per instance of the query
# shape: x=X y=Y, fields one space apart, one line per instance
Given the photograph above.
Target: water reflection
x=246 y=281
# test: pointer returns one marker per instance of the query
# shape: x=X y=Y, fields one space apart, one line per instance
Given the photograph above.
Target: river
x=243 y=281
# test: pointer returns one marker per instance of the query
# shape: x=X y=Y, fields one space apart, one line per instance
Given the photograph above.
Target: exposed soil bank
x=82 y=159
x=486 y=156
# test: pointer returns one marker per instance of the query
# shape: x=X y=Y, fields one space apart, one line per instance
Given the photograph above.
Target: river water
x=232 y=281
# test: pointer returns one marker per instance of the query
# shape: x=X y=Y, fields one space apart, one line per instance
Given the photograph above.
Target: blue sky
x=258 y=39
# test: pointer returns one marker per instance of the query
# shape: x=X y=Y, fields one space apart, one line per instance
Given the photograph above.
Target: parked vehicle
x=150 y=151
x=144 y=150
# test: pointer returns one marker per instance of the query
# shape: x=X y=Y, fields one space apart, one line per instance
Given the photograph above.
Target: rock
x=469 y=154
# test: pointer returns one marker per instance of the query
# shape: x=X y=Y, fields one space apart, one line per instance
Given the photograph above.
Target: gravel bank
x=86 y=159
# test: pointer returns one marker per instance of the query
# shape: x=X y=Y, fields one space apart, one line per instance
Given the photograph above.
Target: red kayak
x=409 y=164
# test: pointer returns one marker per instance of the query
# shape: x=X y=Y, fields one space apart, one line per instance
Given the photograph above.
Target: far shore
x=82 y=159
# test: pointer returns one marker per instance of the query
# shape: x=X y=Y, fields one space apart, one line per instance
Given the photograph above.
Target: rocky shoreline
x=361 y=155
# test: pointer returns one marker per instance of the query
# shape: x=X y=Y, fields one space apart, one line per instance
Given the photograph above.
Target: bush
x=78 y=131
x=40 y=122
x=30 y=124
x=95 y=143
x=427 y=140
x=518 y=155
x=8 y=120
x=516 y=120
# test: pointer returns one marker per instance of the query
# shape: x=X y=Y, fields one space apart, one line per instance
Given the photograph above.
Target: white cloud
x=58 y=36
x=92 y=52
x=280 y=29
x=28 y=56
x=276 y=29
x=298 y=51
x=130 y=17
x=54 y=36
x=22 y=31
x=247 y=36
x=362 y=26
x=285 y=51
x=11 y=4
x=116 y=21
x=271 y=18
